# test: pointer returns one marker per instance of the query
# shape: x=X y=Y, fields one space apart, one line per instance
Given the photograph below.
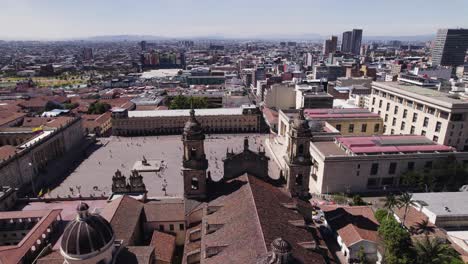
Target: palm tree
x=390 y=203
x=434 y=251
x=405 y=200
x=423 y=227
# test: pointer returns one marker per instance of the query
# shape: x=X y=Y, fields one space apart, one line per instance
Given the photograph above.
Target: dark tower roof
x=87 y=234
x=300 y=126
x=193 y=128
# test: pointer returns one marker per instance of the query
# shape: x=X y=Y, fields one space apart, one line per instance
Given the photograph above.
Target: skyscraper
x=351 y=42
x=450 y=47
x=330 y=46
x=356 y=39
x=346 y=41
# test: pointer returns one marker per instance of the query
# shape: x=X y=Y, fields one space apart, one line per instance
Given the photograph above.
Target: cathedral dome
x=87 y=235
x=280 y=245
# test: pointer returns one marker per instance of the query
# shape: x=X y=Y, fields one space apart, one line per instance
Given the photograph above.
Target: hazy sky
x=45 y=19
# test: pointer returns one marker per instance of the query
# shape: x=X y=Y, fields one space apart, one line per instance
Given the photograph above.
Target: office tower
x=330 y=46
x=346 y=41
x=356 y=39
x=143 y=45
x=450 y=47
x=87 y=54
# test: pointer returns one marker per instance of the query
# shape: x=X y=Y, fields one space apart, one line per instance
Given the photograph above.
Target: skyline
x=56 y=20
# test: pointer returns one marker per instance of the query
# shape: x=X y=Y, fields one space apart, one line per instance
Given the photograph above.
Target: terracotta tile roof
x=352 y=223
x=7 y=151
x=124 y=216
x=136 y=255
x=249 y=216
x=165 y=212
x=164 y=246
x=275 y=220
x=14 y=255
x=7 y=117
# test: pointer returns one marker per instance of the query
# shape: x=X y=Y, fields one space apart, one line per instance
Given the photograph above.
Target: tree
x=390 y=203
x=357 y=200
x=99 y=108
x=405 y=200
x=434 y=251
x=397 y=242
x=361 y=256
x=381 y=214
x=423 y=227
x=184 y=102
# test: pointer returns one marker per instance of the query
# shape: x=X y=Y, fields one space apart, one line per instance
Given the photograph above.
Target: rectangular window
x=426 y=122
x=431 y=110
x=387 y=181
x=380 y=103
x=396 y=110
x=412 y=130
x=351 y=128
x=364 y=128
x=402 y=126
x=435 y=139
x=443 y=115
x=171 y=227
x=374 y=169
x=181 y=227
x=423 y=133
x=410 y=165
x=409 y=103
x=457 y=117
x=161 y=227
x=394 y=121
x=438 y=126
x=392 y=131
x=419 y=107
x=376 y=128
x=338 y=127
x=392 y=168
x=386 y=118
x=372 y=182
x=373 y=101
x=428 y=165
x=415 y=117
x=405 y=113
x=388 y=106
x=400 y=100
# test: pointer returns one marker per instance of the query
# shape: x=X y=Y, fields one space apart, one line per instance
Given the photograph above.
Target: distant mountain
x=267 y=37
x=427 y=37
x=126 y=38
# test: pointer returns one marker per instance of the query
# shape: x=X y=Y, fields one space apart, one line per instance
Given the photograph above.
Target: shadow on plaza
x=58 y=170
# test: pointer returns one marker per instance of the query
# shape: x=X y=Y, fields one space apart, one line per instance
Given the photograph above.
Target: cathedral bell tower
x=194 y=160
x=298 y=157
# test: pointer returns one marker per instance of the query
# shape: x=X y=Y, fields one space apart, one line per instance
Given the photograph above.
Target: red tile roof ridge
x=258 y=223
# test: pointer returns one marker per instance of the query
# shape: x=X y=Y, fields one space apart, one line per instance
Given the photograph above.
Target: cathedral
x=243 y=217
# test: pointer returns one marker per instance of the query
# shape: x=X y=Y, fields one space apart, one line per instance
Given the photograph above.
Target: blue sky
x=55 y=19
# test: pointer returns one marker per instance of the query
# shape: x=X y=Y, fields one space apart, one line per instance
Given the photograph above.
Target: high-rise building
x=356 y=39
x=143 y=45
x=450 y=47
x=87 y=54
x=351 y=42
x=330 y=46
x=346 y=41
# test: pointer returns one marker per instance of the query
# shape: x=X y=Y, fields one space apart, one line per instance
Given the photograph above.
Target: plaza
x=93 y=177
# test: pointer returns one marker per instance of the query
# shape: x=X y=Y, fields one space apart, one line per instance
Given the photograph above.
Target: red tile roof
x=352 y=223
x=164 y=245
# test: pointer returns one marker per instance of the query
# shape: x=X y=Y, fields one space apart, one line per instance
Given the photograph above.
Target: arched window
x=195 y=183
x=299 y=179
x=301 y=149
x=193 y=153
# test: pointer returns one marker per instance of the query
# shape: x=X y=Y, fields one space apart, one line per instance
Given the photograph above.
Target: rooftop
x=444 y=203
x=332 y=113
x=423 y=94
x=390 y=144
x=186 y=112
